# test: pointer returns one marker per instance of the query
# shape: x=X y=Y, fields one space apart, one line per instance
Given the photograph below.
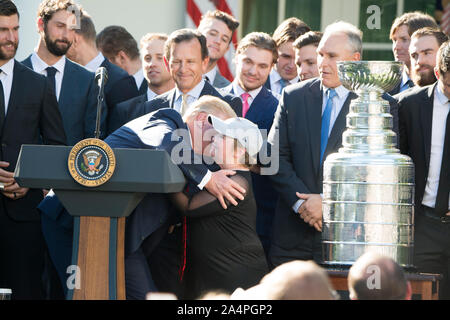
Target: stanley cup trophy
x=368 y=186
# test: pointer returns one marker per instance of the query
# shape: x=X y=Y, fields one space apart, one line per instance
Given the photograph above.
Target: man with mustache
x=284 y=71
x=401 y=30
x=424 y=46
x=73 y=85
x=28 y=115
x=256 y=54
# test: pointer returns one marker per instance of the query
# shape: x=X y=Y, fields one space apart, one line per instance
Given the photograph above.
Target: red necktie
x=245 y=104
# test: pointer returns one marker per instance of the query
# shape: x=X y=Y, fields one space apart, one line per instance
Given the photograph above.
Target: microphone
x=101 y=77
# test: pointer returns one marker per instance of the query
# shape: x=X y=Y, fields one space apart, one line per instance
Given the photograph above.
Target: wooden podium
x=99 y=212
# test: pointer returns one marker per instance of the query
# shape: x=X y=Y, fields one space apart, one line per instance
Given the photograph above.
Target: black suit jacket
x=124 y=112
x=297 y=123
x=32 y=116
x=415 y=110
x=78 y=102
x=119 y=87
x=133 y=109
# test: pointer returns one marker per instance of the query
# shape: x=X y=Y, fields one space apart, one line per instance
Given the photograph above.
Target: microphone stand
x=100 y=98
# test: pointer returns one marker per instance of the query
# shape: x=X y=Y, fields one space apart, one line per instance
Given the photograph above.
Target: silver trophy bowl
x=368 y=186
x=380 y=76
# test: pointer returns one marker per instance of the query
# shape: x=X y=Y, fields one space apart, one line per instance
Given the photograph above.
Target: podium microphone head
x=101 y=75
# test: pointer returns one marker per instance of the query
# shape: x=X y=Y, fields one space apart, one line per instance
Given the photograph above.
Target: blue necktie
x=326 y=117
x=283 y=84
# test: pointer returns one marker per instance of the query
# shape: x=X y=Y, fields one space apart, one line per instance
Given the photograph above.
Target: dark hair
x=186 y=35
x=440 y=36
x=259 y=40
x=114 y=39
x=87 y=27
x=414 y=21
x=48 y=8
x=289 y=30
x=8 y=8
x=443 y=58
x=311 y=37
x=228 y=19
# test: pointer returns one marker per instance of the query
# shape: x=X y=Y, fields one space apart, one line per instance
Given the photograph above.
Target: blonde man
x=164 y=129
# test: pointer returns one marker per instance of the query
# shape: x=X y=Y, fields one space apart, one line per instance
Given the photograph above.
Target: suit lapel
x=426 y=116
x=257 y=108
x=313 y=102
x=15 y=91
x=338 y=128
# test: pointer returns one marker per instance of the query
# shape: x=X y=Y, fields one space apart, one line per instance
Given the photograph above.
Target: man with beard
x=73 y=85
x=256 y=54
x=28 y=115
x=158 y=79
x=401 y=30
x=218 y=28
x=424 y=46
x=424 y=121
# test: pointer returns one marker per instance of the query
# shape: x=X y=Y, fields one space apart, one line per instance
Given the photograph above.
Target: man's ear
x=436 y=72
x=205 y=64
x=40 y=24
x=357 y=56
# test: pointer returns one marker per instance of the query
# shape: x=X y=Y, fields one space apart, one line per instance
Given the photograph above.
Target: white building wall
x=137 y=16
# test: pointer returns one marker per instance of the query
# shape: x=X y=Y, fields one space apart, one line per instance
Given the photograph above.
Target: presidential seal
x=91 y=162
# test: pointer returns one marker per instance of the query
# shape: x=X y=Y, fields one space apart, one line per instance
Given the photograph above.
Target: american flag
x=194 y=11
x=445 y=23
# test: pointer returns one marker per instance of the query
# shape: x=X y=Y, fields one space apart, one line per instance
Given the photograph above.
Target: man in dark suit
x=186 y=57
x=73 y=85
x=145 y=231
x=119 y=47
x=401 y=30
x=424 y=121
x=218 y=27
x=28 y=115
x=255 y=56
x=284 y=71
x=155 y=72
x=308 y=124
x=120 y=86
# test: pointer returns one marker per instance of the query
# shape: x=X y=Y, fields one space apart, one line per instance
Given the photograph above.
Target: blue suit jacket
x=134 y=108
x=262 y=112
x=119 y=87
x=78 y=102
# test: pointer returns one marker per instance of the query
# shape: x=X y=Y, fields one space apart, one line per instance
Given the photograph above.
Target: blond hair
x=210 y=105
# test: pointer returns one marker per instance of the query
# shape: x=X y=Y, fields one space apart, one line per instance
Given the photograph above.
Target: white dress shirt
x=275 y=85
x=441 y=108
x=6 y=77
x=338 y=102
x=139 y=78
x=150 y=94
x=192 y=95
x=40 y=66
x=95 y=63
x=211 y=75
x=238 y=91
